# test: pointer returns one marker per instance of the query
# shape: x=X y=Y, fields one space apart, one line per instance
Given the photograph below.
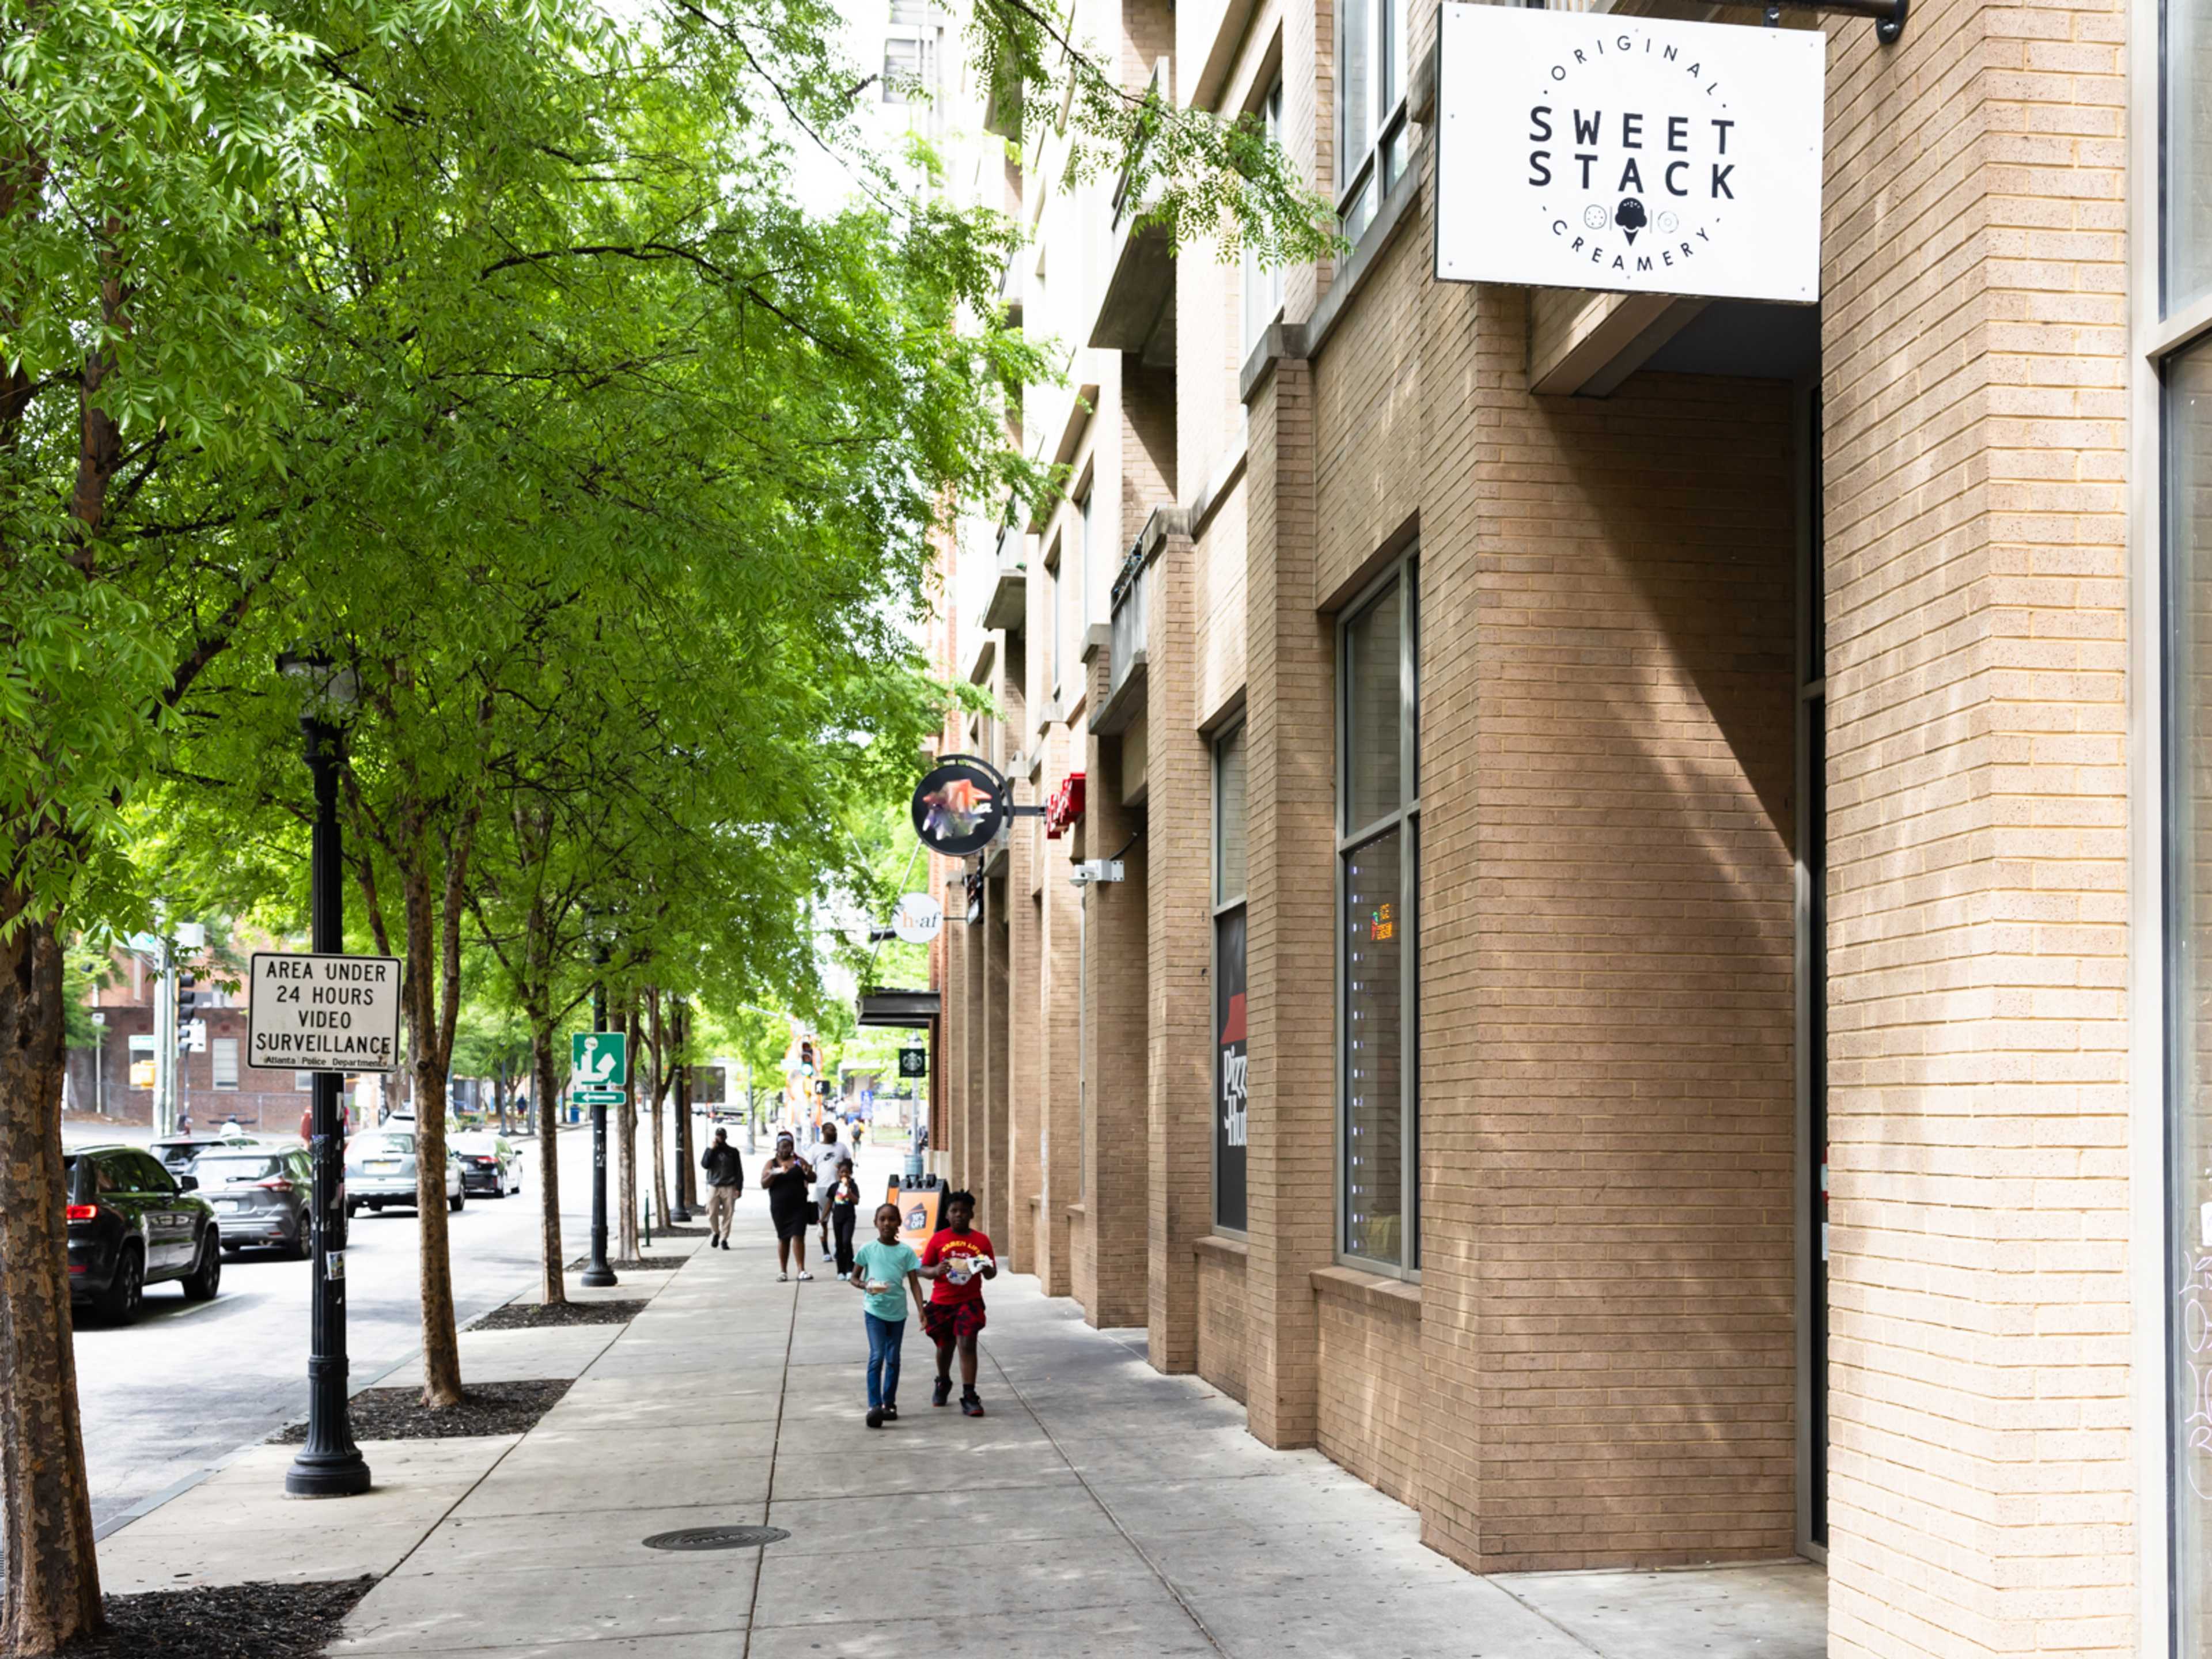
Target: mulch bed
x=660 y=1231
x=399 y=1413
x=634 y=1264
x=535 y=1315
x=226 y=1621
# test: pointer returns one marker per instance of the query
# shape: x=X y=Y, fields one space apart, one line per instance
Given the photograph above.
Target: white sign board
x=1581 y=149
x=309 y=1013
x=918 y=917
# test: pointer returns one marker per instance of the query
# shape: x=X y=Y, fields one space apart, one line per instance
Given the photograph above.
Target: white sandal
x=803 y=1273
x=783 y=1278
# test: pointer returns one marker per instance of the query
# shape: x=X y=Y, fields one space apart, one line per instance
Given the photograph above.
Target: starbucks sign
x=1582 y=150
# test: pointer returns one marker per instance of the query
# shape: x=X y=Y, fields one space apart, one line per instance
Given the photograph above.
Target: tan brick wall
x=1289 y=958
x=1974 y=362
x=988 y=1166
x=1060 y=926
x=1221 y=1315
x=1370 y=1413
x=1178 y=844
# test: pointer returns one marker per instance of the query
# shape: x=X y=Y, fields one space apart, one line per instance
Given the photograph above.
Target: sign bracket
x=1888 y=15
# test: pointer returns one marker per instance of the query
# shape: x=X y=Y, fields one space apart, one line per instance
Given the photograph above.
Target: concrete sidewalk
x=1100 y=1508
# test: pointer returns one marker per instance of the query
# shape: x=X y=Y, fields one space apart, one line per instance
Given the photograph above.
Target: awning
x=913 y=1009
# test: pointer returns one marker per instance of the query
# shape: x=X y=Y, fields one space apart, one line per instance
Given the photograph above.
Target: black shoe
x=942 y=1394
x=891 y=1412
x=970 y=1404
x=875 y=1418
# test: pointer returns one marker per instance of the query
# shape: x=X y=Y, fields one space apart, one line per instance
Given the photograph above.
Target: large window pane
x=1354 y=86
x=2188 y=536
x=1229 y=818
x=2188 y=115
x=1374 y=710
x=1374 y=1050
x=1229 y=1095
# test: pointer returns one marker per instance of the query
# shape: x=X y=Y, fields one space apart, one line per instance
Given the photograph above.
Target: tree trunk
x=553 y=1287
x=424 y=997
x=626 y=1149
x=51 y=1591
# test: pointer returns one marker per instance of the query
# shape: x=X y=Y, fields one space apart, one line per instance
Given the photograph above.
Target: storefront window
x=2189 y=851
x=1230 y=1098
x=1378 y=841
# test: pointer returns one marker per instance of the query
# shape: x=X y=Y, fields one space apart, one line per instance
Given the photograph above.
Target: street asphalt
x=191 y=1382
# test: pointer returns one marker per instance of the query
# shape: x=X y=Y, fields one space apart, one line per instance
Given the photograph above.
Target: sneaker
x=970 y=1405
x=875 y=1417
x=891 y=1412
x=783 y=1278
x=803 y=1273
x=942 y=1394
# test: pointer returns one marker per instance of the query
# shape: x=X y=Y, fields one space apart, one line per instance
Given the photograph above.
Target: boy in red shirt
x=959 y=1258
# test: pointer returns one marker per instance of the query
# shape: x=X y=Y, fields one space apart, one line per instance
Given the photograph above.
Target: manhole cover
x=716 y=1538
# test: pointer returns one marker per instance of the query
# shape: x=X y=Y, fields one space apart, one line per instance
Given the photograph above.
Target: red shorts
x=943 y=1321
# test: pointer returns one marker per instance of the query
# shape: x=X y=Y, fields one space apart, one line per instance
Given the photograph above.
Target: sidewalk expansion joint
x=775 y=1454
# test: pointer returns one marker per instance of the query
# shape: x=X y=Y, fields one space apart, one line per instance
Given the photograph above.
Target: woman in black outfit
x=844 y=1210
x=787 y=1179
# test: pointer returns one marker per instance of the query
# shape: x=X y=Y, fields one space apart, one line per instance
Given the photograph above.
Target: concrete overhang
x=1137 y=311
x=915 y=1010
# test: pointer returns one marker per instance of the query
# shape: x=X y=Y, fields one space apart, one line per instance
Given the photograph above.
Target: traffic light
x=806 y=1059
x=188 y=995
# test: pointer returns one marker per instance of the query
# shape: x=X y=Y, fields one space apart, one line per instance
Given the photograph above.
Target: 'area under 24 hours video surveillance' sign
x=1581 y=149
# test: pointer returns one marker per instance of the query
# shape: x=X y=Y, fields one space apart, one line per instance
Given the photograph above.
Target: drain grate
x=716 y=1538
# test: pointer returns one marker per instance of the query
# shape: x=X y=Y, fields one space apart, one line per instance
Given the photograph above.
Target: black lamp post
x=330 y=1465
x=597 y=1273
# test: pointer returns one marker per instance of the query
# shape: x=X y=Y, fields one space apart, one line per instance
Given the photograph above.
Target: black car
x=132 y=1223
x=260 y=1195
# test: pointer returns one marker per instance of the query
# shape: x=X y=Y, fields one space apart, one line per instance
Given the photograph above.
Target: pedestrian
x=727 y=1173
x=959 y=1258
x=888 y=1269
x=786 y=1180
x=860 y=1132
x=827 y=1155
x=844 y=1212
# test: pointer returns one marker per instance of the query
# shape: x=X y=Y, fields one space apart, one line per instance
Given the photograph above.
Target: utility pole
x=686 y=1194
x=165 y=1037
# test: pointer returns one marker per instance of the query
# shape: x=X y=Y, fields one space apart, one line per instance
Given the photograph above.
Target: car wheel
x=353 y=1209
x=205 y=1278
x=455 y=1202
x=376 y=1206
x=120 y=1303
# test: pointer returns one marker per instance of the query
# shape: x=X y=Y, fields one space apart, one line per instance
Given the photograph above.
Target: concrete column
x=1179 y=892
x=990 y=1164
x=1016 y=1235
x=944 y=1135
x=1290 y=973
x=975 y=1049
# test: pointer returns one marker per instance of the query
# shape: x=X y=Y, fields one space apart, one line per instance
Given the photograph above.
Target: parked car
x=260 y=1195
x=379 y=1170
x=489 y=1162
x=179 y=1153
x=133 y=1224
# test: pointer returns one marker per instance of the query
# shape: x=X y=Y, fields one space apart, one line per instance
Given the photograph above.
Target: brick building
x=109 y=1080
x=1653 y=1008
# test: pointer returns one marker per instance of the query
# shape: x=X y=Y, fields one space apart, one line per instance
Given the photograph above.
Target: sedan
x=489 y=1162
x=130 y=1223
x=379 y=1170
x=261 y=1196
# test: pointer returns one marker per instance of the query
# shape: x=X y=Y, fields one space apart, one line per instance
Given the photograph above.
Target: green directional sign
x=599 y=1061
x=598 y=1096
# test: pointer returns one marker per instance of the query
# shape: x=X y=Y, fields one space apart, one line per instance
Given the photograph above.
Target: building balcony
x=1125 y=644
x=1136 y=312
x=1007 y=608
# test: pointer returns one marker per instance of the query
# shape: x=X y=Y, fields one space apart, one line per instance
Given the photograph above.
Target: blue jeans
x=885 y=1336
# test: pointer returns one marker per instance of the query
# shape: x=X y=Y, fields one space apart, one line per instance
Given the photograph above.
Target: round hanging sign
x=959 y=806
x=918 y=917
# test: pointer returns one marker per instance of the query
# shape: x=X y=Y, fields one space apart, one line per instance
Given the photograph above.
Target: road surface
x=193 y=1381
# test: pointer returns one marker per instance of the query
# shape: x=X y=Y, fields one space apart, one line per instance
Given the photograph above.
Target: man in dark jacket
x=726 y=1176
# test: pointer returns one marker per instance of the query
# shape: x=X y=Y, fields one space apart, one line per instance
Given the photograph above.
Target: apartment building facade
x=1652 y=1007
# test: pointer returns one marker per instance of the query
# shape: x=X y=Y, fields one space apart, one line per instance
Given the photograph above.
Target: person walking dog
x=725 y=1173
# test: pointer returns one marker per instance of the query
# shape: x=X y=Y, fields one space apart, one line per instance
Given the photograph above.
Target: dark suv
x=260 y=1194
x=130 y=1222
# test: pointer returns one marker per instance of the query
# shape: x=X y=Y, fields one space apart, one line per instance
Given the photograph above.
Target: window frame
x=1234 y=729
x=1366 y=178
x=217 y=1047
x=1402 y=573
x=1255 y=323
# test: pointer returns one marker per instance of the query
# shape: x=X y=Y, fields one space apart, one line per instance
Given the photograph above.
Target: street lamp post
x=597 y=1273
x=330 y=1465
x=680 y=1018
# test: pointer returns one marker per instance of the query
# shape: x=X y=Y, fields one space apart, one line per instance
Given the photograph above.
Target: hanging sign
x=1590 y=150
x=913 y=1062
x=960 y=805
x=322 y=1013
x=1064 y=810
x=918 y=917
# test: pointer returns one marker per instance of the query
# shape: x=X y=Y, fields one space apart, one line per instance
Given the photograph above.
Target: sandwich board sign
x=599 y=1066
x=322 y=1013
x=1587 y=149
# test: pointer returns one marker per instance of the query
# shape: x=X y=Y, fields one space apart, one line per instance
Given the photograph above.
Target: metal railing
x=1126 y=634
